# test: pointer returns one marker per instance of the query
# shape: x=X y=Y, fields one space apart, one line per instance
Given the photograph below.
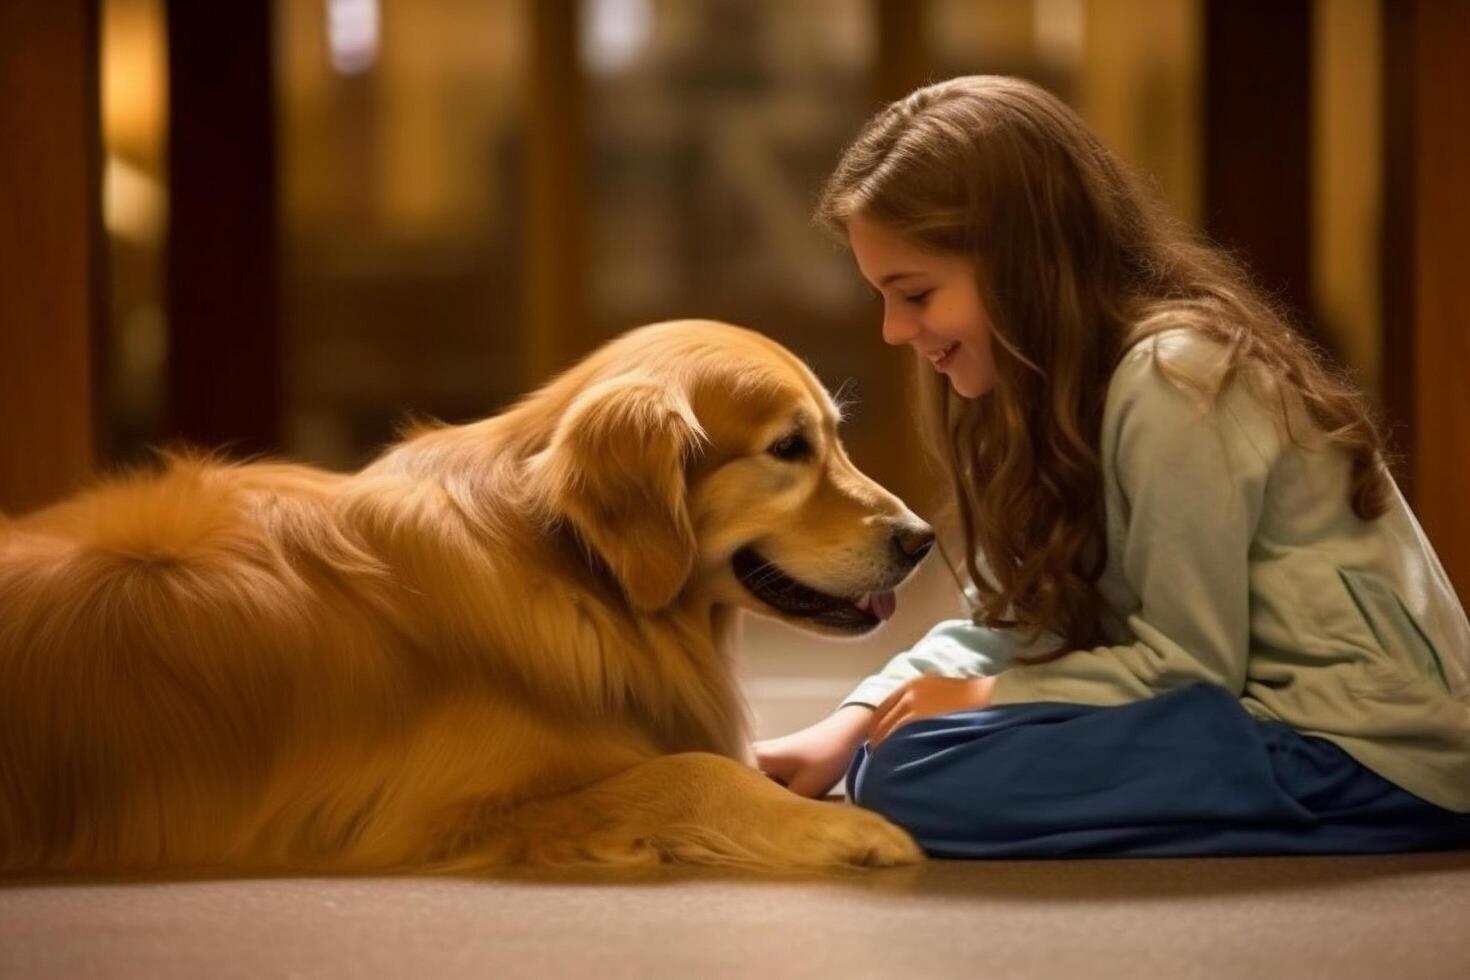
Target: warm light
x=1059 y=28
x=133 y=204
x=134 y=78
x=353 y=32
x=613 y=33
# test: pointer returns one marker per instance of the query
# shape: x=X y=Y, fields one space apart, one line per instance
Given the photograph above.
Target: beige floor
x=1402 y=918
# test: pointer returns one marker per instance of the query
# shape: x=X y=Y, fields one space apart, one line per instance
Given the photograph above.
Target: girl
x=1205 y=622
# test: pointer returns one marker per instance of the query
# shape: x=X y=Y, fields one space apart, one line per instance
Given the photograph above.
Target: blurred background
x=285 y=226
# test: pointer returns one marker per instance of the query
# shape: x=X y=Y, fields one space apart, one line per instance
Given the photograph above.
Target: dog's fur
x=502 y=642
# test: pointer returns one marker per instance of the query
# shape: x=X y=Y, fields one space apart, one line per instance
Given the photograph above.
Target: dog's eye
x=791 y=448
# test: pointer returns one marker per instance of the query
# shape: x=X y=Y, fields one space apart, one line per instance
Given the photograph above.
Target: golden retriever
x=507 y=642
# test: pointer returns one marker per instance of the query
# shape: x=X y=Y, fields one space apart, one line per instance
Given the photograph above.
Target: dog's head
x=700 y=459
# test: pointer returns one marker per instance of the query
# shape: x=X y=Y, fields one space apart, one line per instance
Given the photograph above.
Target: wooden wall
x=50 y=254
x=1426 y=313
x=225 y=366
x=555 y=271
x=1257 y=135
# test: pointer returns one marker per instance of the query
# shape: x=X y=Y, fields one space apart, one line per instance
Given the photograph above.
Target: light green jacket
x=1234 y=558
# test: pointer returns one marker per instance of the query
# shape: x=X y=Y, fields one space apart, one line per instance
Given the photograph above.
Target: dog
x=501 y=643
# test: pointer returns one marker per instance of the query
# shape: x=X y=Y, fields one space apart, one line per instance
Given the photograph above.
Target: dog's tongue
x=882 y=604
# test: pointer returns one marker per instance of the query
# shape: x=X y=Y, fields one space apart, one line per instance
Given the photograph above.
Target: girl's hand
x=810 y=762
x=926 y=696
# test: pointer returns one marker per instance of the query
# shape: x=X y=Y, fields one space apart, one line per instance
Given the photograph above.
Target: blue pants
x=1189 y=772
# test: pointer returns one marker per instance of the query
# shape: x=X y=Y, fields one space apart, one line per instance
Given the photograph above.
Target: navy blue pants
x=1189 y=772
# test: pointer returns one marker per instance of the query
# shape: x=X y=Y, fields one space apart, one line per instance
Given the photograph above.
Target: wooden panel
x=1140 y=89
x=50 y=251
x=1426 y=241
x=556 y=215
x=1258 y=139
x=225 y=372
x=1398 y=290
x=1347 y=183
x=902 y=64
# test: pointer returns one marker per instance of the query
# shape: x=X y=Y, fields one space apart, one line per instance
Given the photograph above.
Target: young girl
x=1205 y=620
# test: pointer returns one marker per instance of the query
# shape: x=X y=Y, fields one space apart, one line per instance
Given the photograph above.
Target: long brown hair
x=1075 y=263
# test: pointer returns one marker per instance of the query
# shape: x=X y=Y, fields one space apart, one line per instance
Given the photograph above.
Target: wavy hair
x=1075 y=263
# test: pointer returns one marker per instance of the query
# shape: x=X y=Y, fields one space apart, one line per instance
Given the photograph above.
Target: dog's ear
x=615 y=467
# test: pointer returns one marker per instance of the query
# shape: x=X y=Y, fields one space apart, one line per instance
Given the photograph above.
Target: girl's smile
x=944 y=356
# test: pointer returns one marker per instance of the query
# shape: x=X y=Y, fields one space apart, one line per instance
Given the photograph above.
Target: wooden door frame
x=51 y=254
x=1426 y=294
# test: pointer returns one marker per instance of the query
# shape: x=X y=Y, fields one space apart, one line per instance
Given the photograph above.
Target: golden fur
x=502 y=642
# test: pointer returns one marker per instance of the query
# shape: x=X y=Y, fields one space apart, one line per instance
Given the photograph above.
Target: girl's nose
x=898 y=329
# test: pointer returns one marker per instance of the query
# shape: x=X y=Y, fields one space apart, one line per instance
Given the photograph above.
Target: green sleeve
x=953 y=648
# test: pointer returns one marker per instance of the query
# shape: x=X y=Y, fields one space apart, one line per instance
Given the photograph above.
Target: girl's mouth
x=943 y=357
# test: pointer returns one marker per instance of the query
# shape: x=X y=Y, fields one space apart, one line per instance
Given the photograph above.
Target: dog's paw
x=843 y=835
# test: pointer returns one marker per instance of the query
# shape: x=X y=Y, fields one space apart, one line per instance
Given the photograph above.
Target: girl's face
x=931 y=301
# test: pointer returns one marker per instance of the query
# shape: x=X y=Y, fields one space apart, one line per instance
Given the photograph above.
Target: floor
x=1404 y=917
x=1370 y=917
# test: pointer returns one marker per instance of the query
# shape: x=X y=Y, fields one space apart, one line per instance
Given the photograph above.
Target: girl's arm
x=1186 y=486
x=810 y=761
x=953 y=648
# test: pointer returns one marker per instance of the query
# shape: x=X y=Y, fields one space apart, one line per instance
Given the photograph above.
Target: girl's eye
x=791 y=448
x=919 y=298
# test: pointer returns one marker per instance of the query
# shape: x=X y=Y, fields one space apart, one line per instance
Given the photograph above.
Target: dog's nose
x=913 y=541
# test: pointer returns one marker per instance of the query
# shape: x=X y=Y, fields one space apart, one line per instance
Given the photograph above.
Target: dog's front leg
x=690 y=808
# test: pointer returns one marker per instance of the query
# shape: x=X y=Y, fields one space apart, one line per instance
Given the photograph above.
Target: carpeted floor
x=1396 y=917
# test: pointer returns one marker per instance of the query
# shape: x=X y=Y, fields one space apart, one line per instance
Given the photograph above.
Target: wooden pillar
x=1257 y=112
x=902 y=63
x=1140 y=89
x=1426 y=293
x=50 y=248
x=225 y=364
x=556 y=213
